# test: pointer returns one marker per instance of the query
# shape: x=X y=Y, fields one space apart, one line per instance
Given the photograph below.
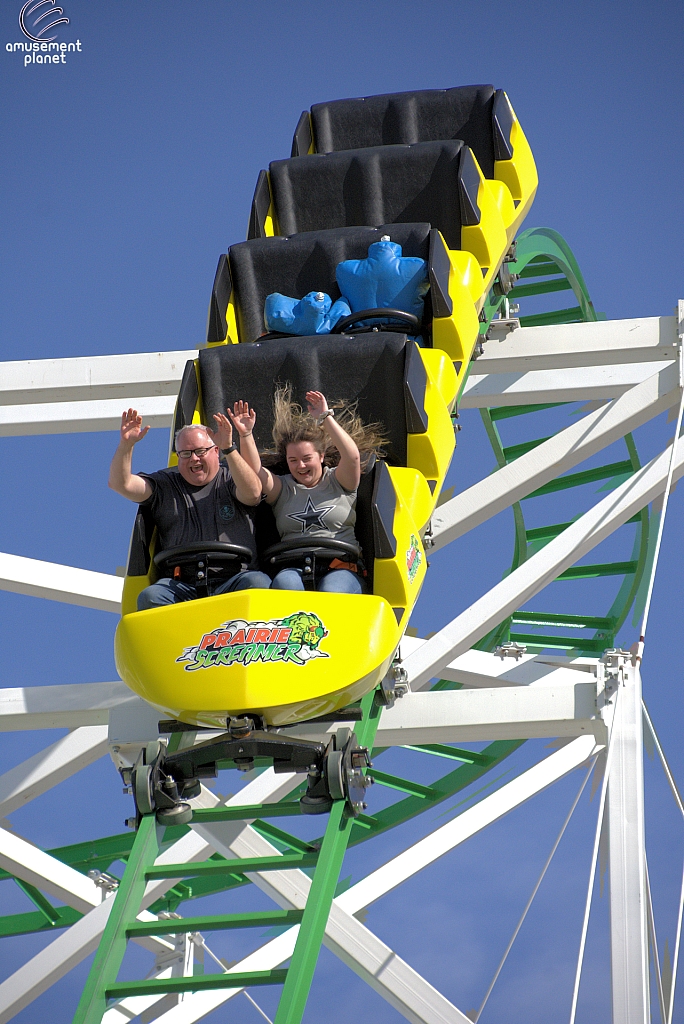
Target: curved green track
x=545 y=265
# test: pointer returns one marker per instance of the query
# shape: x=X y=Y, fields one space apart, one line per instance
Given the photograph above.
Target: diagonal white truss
x=630 y=365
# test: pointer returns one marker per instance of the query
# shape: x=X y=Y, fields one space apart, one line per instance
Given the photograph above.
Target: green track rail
x=545 y=265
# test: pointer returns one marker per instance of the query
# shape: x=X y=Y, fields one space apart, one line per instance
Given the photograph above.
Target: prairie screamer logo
x=413 y=558
x=295 y=639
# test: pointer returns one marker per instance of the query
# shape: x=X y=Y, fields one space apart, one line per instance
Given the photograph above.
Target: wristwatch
x=321 y=419
x=227 y=451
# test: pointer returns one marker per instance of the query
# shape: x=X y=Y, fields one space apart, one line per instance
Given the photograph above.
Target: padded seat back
x=370 y=369
x=406 y=117
x=424 y=182
x=298 y=264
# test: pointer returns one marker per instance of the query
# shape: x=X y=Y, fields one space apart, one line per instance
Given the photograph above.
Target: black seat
x=381 y=372
x=433 y=182
x=476 y=114
x=297 y=265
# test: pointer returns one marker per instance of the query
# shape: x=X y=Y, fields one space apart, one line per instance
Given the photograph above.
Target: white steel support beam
x=628 y=900
x=82 y=417
x=560 y=453
x=471 y=821
x=66 y=706
x=51 y=766
x=502 y=712
x=60 y=583
x=92 y=378
x=576 y=384
x=542 y=568
x=48 y=874
x=554 y=347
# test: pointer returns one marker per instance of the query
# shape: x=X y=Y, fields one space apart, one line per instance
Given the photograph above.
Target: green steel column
x=312 y=929
x=125 y=909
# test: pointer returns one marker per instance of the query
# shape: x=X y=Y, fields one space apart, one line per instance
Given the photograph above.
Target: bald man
x=202 y=499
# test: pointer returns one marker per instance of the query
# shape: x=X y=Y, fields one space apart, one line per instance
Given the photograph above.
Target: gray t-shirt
x=326 y=510
x=184 y=513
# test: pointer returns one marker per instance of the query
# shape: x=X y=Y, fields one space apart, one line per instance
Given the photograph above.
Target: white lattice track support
x=542 y=568
x=560 y=453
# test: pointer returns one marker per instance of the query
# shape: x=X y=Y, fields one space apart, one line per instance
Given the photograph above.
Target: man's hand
x=121 y=479
x=316 y=403
x=243 y=418
x=132 y=429
x=223 y=435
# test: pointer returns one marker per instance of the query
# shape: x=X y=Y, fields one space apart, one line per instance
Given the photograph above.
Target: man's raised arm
x=121 y=479
x=247 y=483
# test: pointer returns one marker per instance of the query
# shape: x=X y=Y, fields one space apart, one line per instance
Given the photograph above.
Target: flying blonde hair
x=291 y=425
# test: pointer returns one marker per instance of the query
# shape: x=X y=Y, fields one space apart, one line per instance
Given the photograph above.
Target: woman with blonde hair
x=316 y=500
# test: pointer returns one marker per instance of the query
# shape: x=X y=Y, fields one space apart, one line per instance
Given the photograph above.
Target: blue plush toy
x=314 y=314
x=385 y=280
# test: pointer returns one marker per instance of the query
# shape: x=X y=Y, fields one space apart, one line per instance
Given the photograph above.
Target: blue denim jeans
x=168 y=591
x=338 y=581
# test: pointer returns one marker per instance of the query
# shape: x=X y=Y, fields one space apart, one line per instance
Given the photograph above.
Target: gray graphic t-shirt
x=326 y=510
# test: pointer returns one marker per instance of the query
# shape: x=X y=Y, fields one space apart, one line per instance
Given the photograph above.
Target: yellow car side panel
x=519 y=174
x=399 y=579
x=414 y=496
x=456 y=334
x=487 y=241
x=441 y=372
x=431 y=452
x=505 y=204
x=286 y=656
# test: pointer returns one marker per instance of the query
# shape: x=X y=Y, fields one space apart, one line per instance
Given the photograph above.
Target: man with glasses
x=202 y=499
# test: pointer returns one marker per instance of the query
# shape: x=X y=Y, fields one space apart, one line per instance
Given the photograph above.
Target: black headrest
x=298 y=264
x=406 y=117
x=381 y=185
x=370 y=369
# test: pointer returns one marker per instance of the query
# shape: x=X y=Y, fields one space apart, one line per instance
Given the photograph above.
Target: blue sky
x=125 y=173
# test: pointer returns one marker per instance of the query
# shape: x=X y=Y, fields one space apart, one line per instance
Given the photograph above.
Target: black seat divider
x=187 y=399
x=302 y=139
x=260 y=206
x=218 y=306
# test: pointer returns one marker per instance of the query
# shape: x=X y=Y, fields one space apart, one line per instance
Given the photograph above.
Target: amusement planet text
x=44 y=53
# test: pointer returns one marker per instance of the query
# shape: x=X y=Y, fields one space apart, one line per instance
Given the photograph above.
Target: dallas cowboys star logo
x=313 y=515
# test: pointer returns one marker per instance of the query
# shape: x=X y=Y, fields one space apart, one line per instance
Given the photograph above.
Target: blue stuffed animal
x=314 y=314
x=385 y=280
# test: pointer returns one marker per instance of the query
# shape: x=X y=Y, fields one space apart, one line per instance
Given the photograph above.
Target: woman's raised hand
x=132 y=429
x=316 y=403
x=243 y=418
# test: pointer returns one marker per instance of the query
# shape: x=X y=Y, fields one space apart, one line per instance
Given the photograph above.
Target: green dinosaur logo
x=295 y=639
